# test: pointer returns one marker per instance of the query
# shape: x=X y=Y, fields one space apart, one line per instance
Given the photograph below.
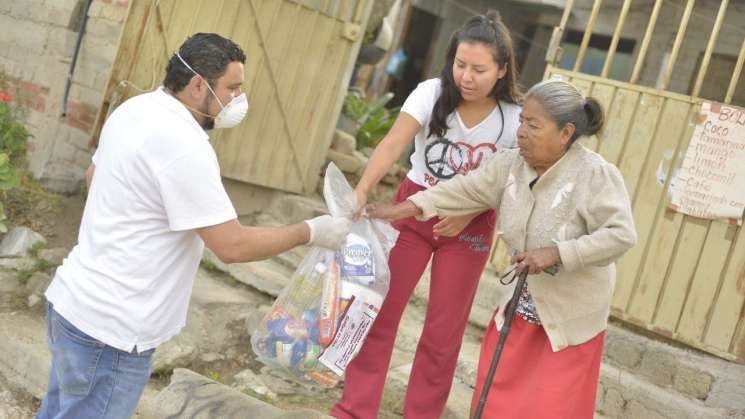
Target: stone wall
x=36 y=50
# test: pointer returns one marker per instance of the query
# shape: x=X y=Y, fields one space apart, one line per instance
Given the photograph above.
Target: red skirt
x=532 y=381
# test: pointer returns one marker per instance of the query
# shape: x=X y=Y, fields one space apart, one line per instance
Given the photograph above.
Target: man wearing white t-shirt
x=155 y=200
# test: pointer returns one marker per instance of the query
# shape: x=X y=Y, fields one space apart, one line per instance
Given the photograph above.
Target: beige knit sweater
x=580 y=203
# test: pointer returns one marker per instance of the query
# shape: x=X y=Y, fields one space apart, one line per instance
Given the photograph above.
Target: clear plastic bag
x=319 y=321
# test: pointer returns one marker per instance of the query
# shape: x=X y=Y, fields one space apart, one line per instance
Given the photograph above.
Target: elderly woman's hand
x=390 y=213
x=537 y=260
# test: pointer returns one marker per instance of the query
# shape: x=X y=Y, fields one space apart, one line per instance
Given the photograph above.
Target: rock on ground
x=18 y=241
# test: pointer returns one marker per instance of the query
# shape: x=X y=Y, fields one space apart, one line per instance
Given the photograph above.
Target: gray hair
x=564 y=104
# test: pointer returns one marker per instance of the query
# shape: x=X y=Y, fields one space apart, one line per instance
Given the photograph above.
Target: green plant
x=13 y=134
x=39 y=265
x=209 y=265
x=374 y=120
x=33 y=251
x=42 y=265
x=8 y=179
x=13 y=139
x=24 y=275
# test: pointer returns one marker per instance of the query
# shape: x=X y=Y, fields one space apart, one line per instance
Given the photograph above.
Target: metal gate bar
x=735 y=74
x=710 y=48
x=645 y=43
x=676 y=45
x=616 y=37
x=588 y=34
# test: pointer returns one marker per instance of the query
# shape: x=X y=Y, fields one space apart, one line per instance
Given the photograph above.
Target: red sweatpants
x=457 y=265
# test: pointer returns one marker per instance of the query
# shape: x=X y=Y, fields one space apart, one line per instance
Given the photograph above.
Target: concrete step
x=625 y=395
x=268 y=276
x=459 y=401
x=676 y=371
x=271 y=275
x=289 y=208
x=191 y=395
x=291 y=259
x=25 y=359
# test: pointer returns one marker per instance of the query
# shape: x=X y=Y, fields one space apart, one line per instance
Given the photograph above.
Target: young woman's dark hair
x=208 y=54
x=485 y=29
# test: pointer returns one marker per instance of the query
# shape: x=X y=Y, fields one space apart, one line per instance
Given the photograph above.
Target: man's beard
x=209 y=122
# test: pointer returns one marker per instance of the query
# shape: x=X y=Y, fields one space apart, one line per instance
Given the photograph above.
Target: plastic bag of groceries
x=319 y=321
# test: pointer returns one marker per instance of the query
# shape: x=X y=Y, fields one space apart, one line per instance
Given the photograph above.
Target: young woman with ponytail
x=457 y=123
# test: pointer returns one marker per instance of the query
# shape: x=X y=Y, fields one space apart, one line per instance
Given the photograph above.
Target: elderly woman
x=564 y=210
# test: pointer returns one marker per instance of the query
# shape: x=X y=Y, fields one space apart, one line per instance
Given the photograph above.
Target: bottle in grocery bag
x=291 y=329
x=329 y=304
x=305 y=291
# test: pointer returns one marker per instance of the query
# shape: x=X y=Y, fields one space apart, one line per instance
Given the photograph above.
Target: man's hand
x=329 y=232
x=537 y=260
x=451 y=226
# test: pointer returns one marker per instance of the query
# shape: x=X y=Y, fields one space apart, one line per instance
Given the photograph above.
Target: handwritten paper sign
x=711 y=180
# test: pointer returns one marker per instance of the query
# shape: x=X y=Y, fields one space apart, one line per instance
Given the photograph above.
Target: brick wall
x=36 y=49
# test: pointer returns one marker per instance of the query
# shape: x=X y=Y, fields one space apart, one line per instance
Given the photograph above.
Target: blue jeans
x=89 y=379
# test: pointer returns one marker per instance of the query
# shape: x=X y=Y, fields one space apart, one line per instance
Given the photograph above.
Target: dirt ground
x=54 y=216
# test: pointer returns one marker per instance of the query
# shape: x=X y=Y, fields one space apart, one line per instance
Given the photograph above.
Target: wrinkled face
x=542 y=143
x=475 y=71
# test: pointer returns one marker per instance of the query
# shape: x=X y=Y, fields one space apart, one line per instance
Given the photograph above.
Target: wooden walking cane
x=502 y=339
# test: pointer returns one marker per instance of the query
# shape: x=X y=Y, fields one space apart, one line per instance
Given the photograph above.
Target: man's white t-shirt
x=461 y=149
x=128 y=281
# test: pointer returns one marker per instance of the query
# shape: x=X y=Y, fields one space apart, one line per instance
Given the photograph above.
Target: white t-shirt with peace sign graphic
x=461 y=149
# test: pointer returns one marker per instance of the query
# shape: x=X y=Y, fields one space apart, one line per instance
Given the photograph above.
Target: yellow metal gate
x=300 y=55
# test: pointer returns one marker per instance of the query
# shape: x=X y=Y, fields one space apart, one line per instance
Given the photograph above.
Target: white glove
x=329 y=232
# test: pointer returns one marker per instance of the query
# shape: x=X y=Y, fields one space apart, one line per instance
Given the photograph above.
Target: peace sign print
x=444 y=158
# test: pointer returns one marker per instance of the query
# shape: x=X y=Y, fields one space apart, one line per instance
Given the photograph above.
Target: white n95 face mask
x=231 y=114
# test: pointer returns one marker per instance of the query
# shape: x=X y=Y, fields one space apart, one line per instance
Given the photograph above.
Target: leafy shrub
x=13 y=139
x=373 y=120
x=13 y=135
x=8 y=179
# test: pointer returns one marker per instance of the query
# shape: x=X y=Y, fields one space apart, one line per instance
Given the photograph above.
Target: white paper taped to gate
x=711 y=180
